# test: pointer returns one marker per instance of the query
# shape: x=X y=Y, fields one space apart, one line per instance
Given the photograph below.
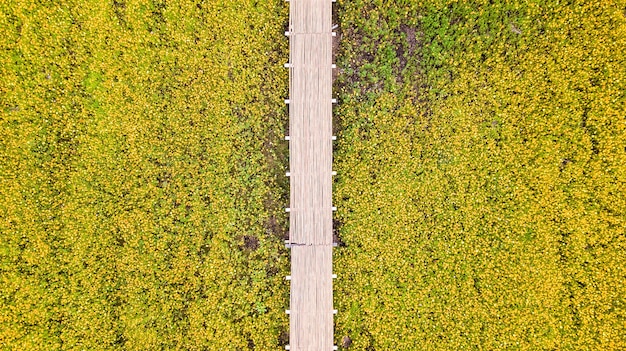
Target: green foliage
x=138 y=148
x=481 y=175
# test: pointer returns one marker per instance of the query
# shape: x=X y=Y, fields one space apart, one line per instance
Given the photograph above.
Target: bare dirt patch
x=250 y=242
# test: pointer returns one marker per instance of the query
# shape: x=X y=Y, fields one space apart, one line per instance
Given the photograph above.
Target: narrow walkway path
x=310 y=148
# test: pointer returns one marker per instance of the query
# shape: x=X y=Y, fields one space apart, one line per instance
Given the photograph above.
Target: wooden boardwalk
x=310 y=162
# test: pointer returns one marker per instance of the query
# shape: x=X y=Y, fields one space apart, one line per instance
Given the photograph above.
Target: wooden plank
x=311 y=305
x=310 y=148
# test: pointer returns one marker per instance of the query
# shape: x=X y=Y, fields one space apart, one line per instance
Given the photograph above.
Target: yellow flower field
x=482 y=172
x=481 y=160
x=141 y=175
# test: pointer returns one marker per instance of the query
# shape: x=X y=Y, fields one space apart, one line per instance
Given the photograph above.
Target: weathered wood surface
x=310 y=148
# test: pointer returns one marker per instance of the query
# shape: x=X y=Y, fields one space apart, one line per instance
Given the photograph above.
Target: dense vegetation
x=140 y=157
x=481 y=175
x=481 y=159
